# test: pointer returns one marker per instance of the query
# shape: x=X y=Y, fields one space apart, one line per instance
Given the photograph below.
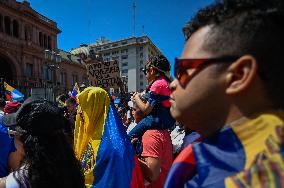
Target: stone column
x=2 y=23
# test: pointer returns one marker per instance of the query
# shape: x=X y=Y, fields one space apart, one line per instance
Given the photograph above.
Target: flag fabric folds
x=246 y=155
x=102 y=145
x=75 y=91
x=13 y=93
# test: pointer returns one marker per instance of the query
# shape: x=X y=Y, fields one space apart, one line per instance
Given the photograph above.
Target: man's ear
x=241 y=74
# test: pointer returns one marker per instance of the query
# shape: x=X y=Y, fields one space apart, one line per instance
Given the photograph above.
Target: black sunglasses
x=145 y=70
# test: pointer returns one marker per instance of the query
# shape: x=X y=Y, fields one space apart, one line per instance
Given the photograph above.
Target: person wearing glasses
x=10 y=155
x=154 y=103
x=48 y=159
x=153 y=142
x=229 y=88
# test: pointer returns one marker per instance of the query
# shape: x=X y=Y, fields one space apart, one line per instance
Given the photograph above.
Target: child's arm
x=146 y=108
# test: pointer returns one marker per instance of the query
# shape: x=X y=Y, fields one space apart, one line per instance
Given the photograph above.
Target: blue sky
x=84 y=21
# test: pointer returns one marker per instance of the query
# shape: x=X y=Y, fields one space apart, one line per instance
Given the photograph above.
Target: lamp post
x=52 y=58
x=124 y=83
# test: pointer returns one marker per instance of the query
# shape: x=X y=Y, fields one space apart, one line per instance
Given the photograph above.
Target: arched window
x=7 y=23
x=16 y=29
x=1 y=23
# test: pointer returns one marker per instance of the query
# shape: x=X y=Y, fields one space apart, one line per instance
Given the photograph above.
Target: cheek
x=203 y=96
x=188 y=99
x=178 y=106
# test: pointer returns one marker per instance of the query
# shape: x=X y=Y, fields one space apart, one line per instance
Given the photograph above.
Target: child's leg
x=166 y=121
x=144 y=125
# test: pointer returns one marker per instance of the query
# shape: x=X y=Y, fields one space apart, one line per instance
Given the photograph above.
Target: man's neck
x=234 y=117
x=238 y=115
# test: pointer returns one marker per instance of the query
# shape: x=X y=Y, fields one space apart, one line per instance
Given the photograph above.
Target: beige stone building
x=29 y=55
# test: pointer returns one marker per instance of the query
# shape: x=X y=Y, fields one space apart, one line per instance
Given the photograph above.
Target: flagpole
x=134 y=18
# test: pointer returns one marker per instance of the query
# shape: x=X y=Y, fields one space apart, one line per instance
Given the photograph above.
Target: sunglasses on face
x=180 y=67
x=146 y=70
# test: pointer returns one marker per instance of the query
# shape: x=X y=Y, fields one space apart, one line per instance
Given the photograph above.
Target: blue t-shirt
x=6 y=147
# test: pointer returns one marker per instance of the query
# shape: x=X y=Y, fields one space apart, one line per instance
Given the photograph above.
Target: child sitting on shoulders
x=155 y=102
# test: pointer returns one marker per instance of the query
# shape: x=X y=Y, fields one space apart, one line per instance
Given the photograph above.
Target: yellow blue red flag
x=102 y=145
x=75 y=91
x=13 y=93
x=249 y=154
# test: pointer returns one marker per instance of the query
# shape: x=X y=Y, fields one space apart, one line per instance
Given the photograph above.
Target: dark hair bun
x=160 y=62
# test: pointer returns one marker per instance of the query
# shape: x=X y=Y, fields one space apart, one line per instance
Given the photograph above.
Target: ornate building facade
x=29 y=55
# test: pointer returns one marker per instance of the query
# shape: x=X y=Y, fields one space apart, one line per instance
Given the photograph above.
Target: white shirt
x=11 y=182
x=177 y=136
x=130 y=127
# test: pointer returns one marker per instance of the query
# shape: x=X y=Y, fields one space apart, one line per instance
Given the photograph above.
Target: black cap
x=36 y=117
x=10 y=120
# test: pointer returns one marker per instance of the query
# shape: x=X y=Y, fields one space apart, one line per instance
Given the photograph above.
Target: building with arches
x=25 y=36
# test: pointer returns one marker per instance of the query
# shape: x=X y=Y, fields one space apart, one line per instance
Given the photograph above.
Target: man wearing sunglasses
x=229 y=87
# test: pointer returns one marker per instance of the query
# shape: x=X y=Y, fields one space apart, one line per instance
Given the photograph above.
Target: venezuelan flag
x=15 y=94
x=102 y=145
x=249 y=154
x=75 y=91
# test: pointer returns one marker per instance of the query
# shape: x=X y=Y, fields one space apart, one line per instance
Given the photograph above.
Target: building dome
x=85 y=51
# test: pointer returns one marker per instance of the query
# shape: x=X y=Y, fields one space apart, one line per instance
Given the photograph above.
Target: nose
x=173 y=85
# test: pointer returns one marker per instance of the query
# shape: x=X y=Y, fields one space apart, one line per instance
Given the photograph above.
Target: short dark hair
x=241 y=27
x=160 y=64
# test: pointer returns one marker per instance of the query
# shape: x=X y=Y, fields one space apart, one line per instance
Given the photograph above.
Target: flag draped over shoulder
x=12 y=93
x=75 y=91
x=249 y=154
x=102 y=145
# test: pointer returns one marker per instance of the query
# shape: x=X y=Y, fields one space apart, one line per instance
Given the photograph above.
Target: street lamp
x=53 y=58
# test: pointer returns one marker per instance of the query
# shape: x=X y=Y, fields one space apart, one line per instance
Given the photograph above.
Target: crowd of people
x=217 y=121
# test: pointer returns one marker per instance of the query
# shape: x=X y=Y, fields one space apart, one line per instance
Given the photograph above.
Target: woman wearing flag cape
x=102 y=145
